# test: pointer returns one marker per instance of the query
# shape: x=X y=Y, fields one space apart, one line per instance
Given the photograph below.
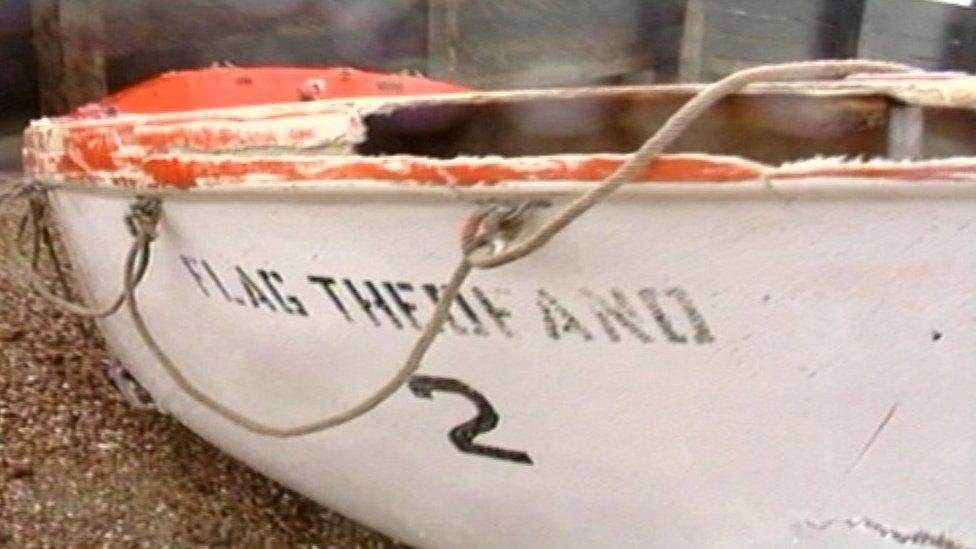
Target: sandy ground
x=79 y=466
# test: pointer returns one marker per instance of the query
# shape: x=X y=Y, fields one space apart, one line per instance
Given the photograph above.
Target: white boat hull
x=686 y=366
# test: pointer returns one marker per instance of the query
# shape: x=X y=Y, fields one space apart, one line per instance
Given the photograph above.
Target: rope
x=200 y=397
x=27 y=268
x=673 y=128
x=490 y=225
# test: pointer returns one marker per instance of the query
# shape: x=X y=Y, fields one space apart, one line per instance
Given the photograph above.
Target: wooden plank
x=141 y=26
x=443 y=35
x=554 y=73
x=693 y=42
x=906 y=132
x=293 y=45
x=513 y=43
x=46 y=24
x=153 y=25
x=69 y=42
x=724 y=34
x=661 y=24
x=83 y=47
x=771 y=128
x=929 y=35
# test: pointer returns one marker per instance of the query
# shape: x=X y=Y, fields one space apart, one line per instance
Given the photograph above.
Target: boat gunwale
x=693 y=169
x=112 y=150
x=927 y=90
x=820 y=187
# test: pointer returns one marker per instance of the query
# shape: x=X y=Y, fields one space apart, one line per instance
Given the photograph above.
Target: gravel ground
x=80 y=466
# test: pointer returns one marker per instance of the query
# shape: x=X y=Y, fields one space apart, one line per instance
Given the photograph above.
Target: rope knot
x=143 y=217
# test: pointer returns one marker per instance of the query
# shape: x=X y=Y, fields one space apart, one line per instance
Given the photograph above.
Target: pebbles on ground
x=80 y=466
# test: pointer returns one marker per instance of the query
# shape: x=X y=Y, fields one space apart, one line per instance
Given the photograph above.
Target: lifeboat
x=503 y=319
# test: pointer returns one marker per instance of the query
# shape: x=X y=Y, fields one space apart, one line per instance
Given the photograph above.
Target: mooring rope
x=27 y=268
x=487 y=226
x=671 y=130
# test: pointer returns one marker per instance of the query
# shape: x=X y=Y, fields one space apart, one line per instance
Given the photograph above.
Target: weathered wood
x=510 y=43
x=142 y=26
x=83 y=47
x=558 y=73
x=928 y=35
x=69 y=42
x=692 y=42
x=289 y=45
x=149 y=37
x=443 y=34
x=768 y=128
x=722 y=36
x=46 y=24
x=661 y=25
x=949 y=132
x=906 y=132
x=148 y=25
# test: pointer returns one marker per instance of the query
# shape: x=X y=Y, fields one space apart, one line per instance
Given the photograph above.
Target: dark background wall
x=148 y=37
x=57 y=54
x=19 y=99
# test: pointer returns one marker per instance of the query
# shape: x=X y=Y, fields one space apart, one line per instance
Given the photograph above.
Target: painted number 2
x=464 y=434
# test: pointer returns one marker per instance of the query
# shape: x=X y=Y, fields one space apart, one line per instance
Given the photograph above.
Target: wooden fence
x=88 y=47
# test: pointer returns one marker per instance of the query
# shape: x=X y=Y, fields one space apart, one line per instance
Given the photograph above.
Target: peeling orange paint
x=182 y=172
x=303 y=141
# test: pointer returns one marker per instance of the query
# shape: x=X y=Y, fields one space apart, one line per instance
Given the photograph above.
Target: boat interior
x=772 y=129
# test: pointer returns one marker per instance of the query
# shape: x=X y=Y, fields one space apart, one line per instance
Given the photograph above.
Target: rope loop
x=143 y=217
x=142 y=221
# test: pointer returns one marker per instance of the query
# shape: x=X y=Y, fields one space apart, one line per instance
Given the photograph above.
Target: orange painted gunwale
x=316 y=141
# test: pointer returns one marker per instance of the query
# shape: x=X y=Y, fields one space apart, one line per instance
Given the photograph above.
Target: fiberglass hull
x=687 y=365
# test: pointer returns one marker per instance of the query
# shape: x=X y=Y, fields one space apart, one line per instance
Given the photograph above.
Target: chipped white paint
x=959 y=167
x=342 y=128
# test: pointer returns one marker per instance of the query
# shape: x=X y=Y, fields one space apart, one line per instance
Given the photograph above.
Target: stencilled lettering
x=644 y=316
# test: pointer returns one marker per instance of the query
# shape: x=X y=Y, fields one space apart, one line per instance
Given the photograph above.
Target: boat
x=765 y=341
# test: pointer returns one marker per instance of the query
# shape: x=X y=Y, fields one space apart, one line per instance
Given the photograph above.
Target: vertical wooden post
x=45 y=22
x=443 y=36
x=906 y=132
x=84 y=50
x=69 y=39
x=693 y=42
